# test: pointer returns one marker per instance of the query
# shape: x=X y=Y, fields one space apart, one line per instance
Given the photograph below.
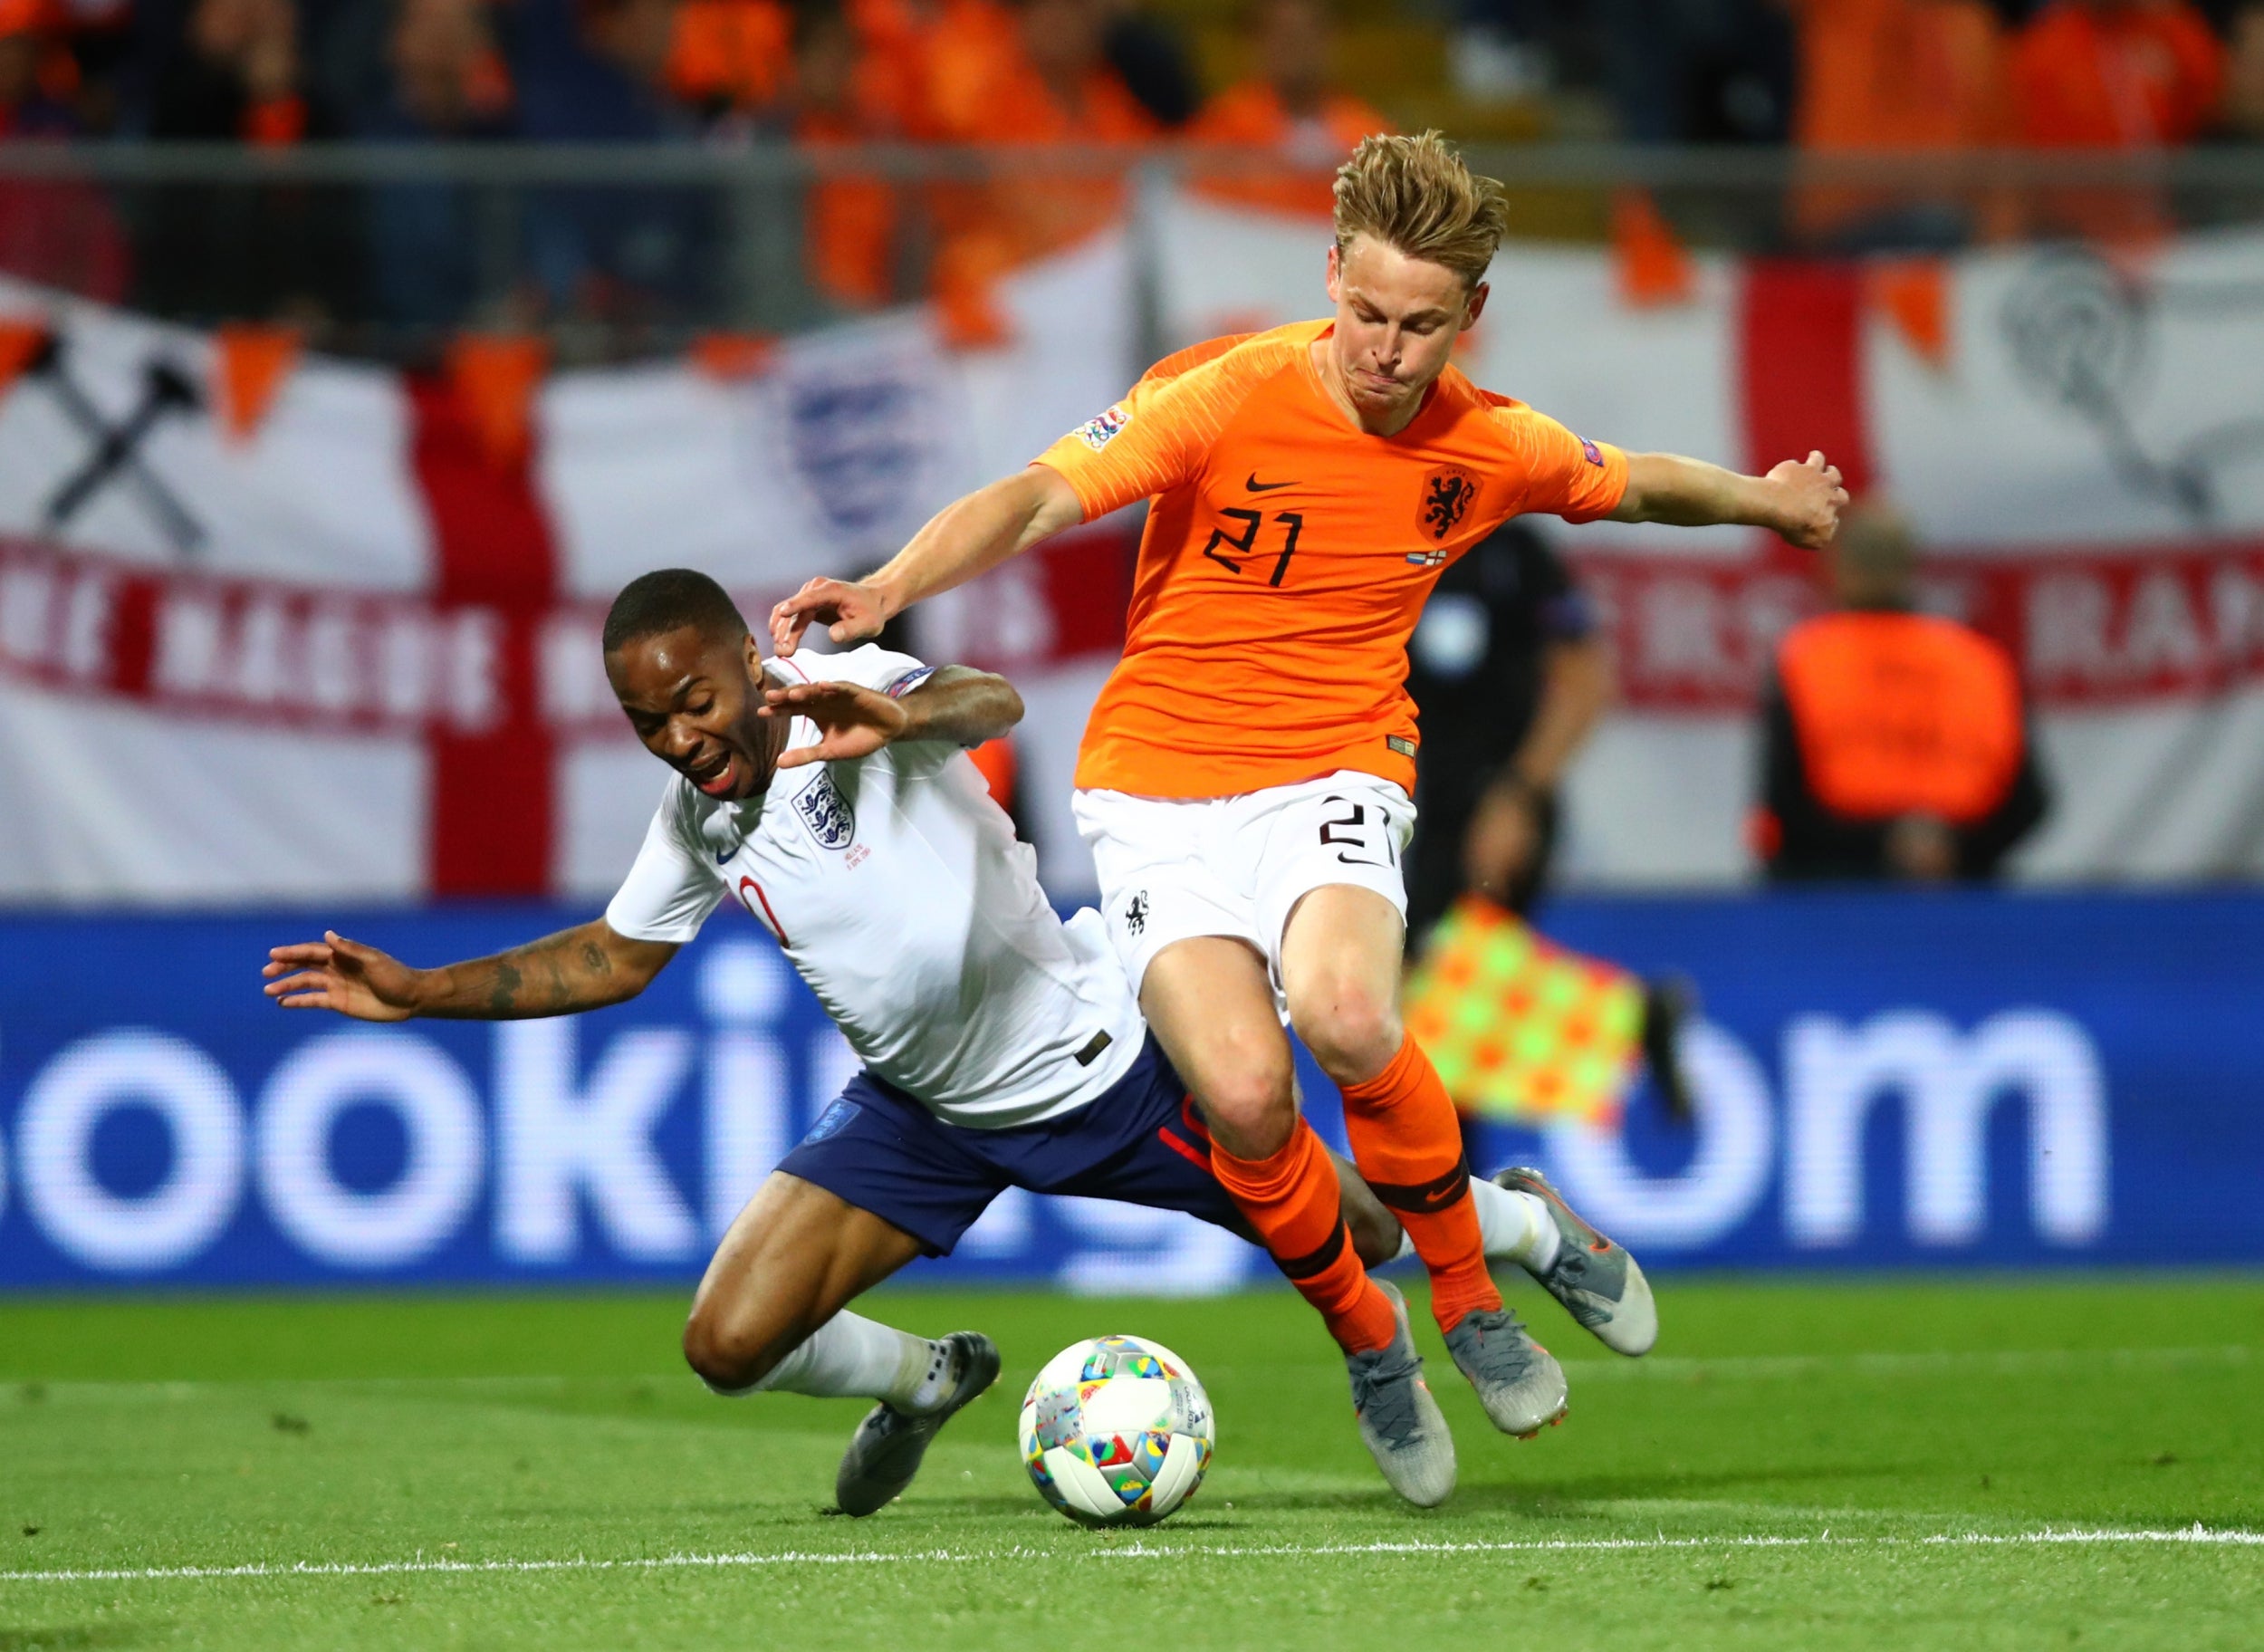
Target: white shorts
x=1172 y=869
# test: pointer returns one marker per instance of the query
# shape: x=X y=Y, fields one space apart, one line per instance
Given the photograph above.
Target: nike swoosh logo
x=724 y=855
x=1256 y=487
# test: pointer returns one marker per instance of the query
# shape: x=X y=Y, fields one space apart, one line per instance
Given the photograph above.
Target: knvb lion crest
x=826 y=812
x=1447 y=493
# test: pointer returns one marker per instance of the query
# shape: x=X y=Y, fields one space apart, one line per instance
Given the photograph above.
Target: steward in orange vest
x=1895 y=744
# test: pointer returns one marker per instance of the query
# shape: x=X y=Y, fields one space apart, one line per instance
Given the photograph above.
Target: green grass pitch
x=1813 y=1465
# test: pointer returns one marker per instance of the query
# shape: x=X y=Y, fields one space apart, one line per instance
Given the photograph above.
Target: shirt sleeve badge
x=1098 y=433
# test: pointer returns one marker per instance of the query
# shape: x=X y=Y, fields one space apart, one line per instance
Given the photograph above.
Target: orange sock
x=1291 y=1199
x=1408 y=1145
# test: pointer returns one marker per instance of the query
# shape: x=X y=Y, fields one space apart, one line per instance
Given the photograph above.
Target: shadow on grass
x=71 y=1636
x=1551 y=1500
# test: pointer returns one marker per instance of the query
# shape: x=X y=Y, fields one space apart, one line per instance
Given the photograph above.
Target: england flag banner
x=355 y=650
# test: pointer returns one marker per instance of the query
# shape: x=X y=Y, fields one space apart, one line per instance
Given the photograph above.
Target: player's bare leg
x=1341 y=968
x=771 y=1315
x=1211 y=1008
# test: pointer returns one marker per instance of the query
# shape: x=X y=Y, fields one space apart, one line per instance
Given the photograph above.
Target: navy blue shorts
x=1140 y=1141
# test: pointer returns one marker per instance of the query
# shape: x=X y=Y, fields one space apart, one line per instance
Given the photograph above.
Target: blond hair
x=1415 y=195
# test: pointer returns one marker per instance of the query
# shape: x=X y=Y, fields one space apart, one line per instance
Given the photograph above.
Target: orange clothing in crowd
x=955 y=55
x=1253 y=116
x=1900 y=74
x=730 y=52
x=1287 y=557
x=850 y=225
x=1894 y=74
x=2132 y=76
x=984 y=89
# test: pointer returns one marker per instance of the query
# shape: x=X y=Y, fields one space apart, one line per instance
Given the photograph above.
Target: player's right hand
x=849 y=612
x=337 y=974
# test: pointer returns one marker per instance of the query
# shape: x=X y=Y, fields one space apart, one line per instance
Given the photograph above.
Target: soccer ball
x=1117 y=1431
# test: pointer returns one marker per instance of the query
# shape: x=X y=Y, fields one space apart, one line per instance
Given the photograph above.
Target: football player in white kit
x=832 y=797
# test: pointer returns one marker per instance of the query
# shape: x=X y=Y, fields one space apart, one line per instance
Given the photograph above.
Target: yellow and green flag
x=1520 y=1029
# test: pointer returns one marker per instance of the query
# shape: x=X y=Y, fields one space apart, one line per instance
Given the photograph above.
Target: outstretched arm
x=583 y=968
x=966 y=538
x=958 y=703
x=1801 y=498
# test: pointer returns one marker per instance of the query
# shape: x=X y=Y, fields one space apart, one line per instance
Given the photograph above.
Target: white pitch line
x=2196 y=1533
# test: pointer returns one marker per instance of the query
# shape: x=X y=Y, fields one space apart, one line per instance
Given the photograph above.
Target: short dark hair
x=668 y=600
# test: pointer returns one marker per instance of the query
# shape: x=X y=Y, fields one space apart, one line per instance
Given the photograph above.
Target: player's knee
x=1250 y=1105
x=1353 y=1033
x=732 y=1351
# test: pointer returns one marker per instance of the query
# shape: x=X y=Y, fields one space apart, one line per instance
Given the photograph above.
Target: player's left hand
x=1810 y=497
x=852 y=722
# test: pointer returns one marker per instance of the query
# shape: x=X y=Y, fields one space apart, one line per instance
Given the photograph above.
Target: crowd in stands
x=1826 y=75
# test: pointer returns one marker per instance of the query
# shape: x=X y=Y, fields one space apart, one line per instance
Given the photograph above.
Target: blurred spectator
x=852 y=227
x=962 y=50
x=1896 y=745
x=254 y=250
x=2243 y=111
x=1289 y=110
x=1046 y=82
x=445 y=81
x=1499 y=52
x=1906 y=75
x=593 y=70
x=1699 y=70
x=596 y=71
x=37 y=74
x=238 y=75
x=730 y=57
x=58 y=232
x=1046 y=79
x=88 y=67
x=1151 y=59
x=2117 y=74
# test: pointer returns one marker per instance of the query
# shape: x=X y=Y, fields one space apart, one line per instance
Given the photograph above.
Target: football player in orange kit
x=1244 y=779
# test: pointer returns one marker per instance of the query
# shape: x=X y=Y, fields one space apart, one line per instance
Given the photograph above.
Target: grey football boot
x=1597 y=1280
x=1400 y=1423
x=884 y=1452
x=1518 y=1381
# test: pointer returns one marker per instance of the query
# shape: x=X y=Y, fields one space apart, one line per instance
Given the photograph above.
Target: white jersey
x=898 y=890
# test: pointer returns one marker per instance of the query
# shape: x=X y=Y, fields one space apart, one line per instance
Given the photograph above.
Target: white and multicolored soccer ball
x=1117 y=1431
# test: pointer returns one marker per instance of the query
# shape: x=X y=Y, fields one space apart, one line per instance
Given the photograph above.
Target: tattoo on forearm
x=554 y=976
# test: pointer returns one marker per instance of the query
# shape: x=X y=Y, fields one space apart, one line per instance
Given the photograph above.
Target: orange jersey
x=1287 y=557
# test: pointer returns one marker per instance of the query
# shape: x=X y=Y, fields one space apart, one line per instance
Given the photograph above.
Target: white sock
x=852 y=1357
x=1513 y=1226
